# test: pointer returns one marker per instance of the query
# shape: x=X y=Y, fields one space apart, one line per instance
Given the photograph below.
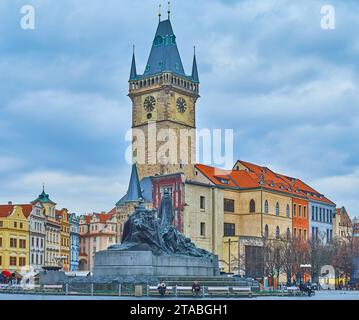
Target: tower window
x=266 y=232
x=266 y=207
x=229 y=229
x=173 y=39
x=158 y=41
x=228 y=205
x=252 y=206
x=202 y=202
x=277 y=209
x=203 y=229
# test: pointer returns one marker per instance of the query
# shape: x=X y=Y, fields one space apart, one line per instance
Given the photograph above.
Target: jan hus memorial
x=152 y=246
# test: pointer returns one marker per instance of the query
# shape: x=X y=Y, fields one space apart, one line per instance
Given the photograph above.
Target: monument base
x=145 y=263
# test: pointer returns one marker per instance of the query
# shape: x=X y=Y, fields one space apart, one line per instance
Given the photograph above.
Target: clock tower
x=163 y=109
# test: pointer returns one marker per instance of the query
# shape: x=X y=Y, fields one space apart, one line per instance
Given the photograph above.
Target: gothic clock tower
x=164 y=107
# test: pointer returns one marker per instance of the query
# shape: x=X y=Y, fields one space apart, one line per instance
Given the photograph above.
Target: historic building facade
x=321 y=218
x=74 y=241
x=37 y=222
x=63 y=217
x=97 y=232
x=342 y=224
x=14 y=238
x=52 y=228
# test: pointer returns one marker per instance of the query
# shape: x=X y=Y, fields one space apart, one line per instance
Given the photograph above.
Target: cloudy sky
x=288 y=88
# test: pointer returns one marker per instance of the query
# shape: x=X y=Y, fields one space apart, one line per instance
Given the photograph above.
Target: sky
x=288 y=88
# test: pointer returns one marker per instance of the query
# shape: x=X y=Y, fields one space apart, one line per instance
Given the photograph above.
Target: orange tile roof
x=6 y=210
x=261 y=177
x=104 y=217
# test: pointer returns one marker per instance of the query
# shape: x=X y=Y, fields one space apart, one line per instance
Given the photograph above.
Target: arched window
x=288 y=233
x=266 y=232
x=277 y=233
x=252 y=206
x=266 y=207
x=288 y=211
x=277 y=209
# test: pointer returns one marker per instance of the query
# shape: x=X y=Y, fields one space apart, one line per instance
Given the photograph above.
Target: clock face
x=181 y=105
x=149 y=104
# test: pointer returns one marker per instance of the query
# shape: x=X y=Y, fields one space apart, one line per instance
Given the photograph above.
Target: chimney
x=10 y=203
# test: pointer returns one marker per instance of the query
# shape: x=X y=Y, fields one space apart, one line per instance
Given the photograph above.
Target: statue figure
x=143 y=231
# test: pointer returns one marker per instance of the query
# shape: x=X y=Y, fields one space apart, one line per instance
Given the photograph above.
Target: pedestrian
x=196 y=288
x=1 y=278
x=162 y=288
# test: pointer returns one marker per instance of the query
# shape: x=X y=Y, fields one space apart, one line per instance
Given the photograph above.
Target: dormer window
x=148 y=68
x=158 y=41
x=177 y=66
x=173 y=39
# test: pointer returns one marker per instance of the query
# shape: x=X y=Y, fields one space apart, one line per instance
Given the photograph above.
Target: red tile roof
x=103 y=217
x=254 y=176
x=6 y=210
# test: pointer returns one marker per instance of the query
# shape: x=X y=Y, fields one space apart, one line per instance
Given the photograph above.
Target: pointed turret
x=44 y=197
x=195 y=76
x=134 y=193
x=133 y=74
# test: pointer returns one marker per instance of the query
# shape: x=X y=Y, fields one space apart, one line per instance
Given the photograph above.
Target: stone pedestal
x=50 y=277
x=145 y=263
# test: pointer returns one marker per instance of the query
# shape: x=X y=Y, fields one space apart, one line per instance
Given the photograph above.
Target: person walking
x=196 y=288
x=162 y=288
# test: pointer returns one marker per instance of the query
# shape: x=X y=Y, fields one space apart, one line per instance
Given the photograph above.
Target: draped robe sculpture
x=143 y=231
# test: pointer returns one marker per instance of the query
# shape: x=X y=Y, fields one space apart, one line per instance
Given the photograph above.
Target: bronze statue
x=144 y=232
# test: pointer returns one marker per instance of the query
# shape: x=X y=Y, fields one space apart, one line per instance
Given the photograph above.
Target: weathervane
x=169 y=9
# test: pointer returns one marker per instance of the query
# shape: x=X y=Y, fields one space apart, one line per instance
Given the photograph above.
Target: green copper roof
x=44 y=198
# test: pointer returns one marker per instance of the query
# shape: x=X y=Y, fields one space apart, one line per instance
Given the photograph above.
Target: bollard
x=202 y=291
x=176 y=291
x=91 y=289
x=119 y=289
x=67 y=288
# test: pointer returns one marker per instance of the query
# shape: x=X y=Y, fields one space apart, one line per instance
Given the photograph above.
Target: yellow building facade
x=14 y=239
x=64 y=238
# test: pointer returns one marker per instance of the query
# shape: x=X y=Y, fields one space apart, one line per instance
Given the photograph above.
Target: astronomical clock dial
x=181 y=105
x=149 y=104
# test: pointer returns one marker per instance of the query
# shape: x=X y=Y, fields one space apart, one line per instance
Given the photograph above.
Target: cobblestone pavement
x=322 y=295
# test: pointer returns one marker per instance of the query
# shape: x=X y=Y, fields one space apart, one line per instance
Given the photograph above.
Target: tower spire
x=195 y=76
x=169 y=9
x=159 y=12
x=133 y=73
x=134 y=192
